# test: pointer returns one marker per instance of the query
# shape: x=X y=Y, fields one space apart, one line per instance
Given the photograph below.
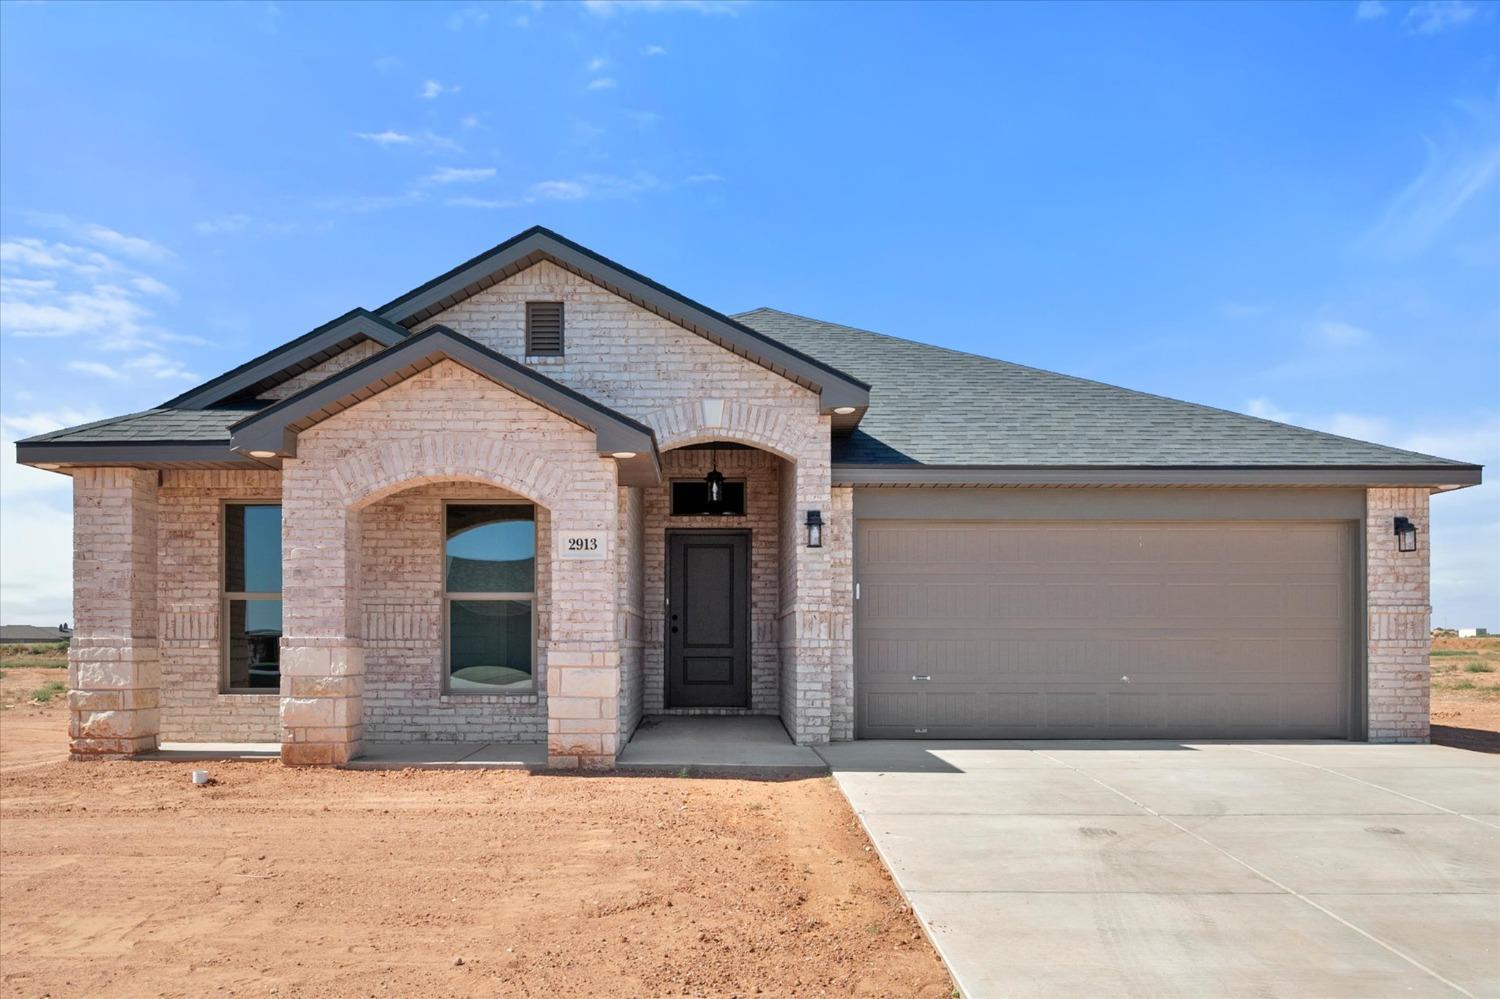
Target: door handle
x=921 y=678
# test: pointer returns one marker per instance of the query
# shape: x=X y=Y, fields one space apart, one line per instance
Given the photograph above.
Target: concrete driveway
x=1197 y=870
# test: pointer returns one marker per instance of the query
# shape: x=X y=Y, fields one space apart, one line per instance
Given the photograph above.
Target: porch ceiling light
x=622 y=455
x=843 y=410
x=1406 y=535
x=814 y=529
x=262 y=454
x=715 y=482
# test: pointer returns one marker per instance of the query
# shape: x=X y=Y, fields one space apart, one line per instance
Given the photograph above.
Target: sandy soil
x=1466 y=692
x=123 y=879
x=31 y=734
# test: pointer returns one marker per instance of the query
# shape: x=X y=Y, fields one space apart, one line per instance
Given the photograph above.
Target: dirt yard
x=1466 y=692
x=123 y=879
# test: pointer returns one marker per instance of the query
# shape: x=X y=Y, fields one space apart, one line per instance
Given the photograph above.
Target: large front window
x=252 y=597
x=489 y=596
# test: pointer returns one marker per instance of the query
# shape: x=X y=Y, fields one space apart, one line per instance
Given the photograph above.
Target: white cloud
x=580 y=188
x=386 y=64
x=1267 y=410
x=608 y=8
x=469 y=121
x=150 y=286
x=465 y=201
x=597 y=63
x=1338 y=334
x=704 y=178
x=236 y=222
x=1460 y=167
x=603 y=83
x=1369 y=10
x=131 y=246
x=389 y=137
x=1434 y=16
x=468 y=17
x=654 y=50
x=460 y=175
x=432 y=89
x=559 y=190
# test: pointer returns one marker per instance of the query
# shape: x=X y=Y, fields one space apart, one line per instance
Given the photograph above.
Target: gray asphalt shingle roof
x=935 y=406
x=154 y=425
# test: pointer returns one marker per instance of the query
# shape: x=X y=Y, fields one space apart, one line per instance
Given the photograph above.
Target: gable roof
x=291 y=358
x=273 y=430
x=836 y=388
x=938 y=415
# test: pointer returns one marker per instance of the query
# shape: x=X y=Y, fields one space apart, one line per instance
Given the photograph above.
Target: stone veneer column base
x=113 y=700
x=322 y=704
x=583 y=723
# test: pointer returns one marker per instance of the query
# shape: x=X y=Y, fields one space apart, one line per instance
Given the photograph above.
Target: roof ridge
x=1108 y=385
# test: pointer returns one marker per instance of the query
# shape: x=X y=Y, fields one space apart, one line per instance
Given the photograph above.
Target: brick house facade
x=367 y=433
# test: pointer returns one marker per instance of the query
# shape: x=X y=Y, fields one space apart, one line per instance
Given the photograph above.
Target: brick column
x=322 y=659
x=583 y=651
x=114 y=668
x=1398 y=616
x=839 y=537
x=807 y=610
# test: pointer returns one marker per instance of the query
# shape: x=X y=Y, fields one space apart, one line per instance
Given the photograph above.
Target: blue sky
x=1286 y=210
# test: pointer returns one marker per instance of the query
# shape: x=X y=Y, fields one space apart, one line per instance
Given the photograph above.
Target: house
x=541 y=496
x=27 y=634
x=1473 y=633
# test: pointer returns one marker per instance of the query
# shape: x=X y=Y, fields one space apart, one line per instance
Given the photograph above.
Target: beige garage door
x=1103 y=630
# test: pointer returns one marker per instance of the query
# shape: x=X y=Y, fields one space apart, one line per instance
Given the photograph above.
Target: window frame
x=227 y=596
x=445 y=663
x=562 y=328
x=744 y=484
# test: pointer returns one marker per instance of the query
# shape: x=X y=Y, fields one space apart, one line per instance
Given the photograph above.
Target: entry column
x=114 y=666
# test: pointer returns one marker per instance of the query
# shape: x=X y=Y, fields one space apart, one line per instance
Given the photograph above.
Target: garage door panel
x=1103 y=630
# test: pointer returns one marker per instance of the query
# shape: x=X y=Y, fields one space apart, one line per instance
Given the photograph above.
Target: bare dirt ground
x=1466 y=693
x=31 y=734
x=123 y=879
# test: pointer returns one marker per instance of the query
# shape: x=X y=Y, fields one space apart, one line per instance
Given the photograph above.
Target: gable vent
x=544 y=329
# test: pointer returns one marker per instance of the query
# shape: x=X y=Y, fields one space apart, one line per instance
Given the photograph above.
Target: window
x=251 y=611
x=489 y=596
x=690 y=499
x=544 y=329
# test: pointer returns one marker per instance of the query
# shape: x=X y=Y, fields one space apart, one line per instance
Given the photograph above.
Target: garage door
x=1103 y=630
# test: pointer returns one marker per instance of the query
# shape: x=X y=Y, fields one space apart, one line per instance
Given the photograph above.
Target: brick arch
x=380 y=470
x=774 y=430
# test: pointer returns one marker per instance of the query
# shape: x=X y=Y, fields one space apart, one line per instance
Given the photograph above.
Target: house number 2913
x=582 y=545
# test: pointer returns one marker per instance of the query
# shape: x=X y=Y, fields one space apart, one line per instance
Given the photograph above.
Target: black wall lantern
x=814 y=529
x=715 y=482
x=1406 y=535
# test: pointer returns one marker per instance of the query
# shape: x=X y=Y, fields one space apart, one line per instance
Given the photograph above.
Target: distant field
x=42 y=655
x=1466 y=692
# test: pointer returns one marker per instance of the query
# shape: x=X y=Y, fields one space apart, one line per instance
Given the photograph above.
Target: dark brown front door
x=708 y=619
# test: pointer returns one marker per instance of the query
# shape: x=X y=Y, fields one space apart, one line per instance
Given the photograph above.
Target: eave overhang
x=1446 y=476
x=836 y=390
x=271 y=434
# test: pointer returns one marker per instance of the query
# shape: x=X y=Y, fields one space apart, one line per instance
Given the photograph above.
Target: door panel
x=708 y=615
x=1103 y=630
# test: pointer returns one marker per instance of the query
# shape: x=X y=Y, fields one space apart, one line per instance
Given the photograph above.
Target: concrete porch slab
x=739 y=744
x=186 y=752
x=450 y=756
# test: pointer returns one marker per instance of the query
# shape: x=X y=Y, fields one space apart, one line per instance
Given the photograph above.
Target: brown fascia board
x=1436 y=476
x=836 y=389
x=276 y=427
x=352 y=324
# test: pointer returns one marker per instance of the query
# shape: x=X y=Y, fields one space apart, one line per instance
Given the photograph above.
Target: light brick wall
x=114 y=667
x=761 y=473
x=338 y=362
x=838 y=535
x=401 y=587
x=1399 y=617
x=631 y=626
x=191 y=575
x=408 y=436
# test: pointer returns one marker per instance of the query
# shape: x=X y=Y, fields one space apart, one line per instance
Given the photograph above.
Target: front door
x=708 y=619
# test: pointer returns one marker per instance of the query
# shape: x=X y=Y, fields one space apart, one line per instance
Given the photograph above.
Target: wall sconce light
x=1406 y=535
x=814 y=529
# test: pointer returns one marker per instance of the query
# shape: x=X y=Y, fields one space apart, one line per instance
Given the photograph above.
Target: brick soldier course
x=362 y=439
